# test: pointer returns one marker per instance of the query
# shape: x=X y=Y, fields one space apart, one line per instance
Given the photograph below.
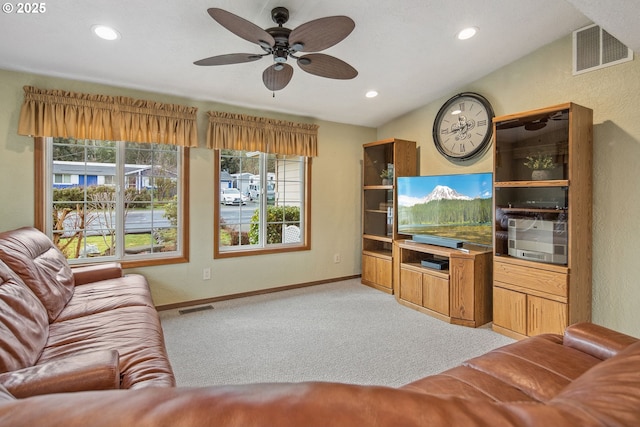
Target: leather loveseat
x=66 y=329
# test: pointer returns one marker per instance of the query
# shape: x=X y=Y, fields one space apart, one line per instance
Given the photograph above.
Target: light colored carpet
x=343 y=331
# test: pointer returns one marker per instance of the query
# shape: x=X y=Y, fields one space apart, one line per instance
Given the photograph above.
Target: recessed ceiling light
x=105 y=32
x=467 y=33
x=371 y=94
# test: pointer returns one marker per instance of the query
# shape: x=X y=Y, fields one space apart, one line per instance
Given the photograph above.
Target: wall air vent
x=594 y=48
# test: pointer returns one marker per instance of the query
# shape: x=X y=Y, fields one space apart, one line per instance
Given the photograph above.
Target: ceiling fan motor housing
x=280 y=15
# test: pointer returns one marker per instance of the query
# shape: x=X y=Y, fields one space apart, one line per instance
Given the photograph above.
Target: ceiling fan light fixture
x=297 y=47
x=467 y=33
x=304 y=61
x=278 y=66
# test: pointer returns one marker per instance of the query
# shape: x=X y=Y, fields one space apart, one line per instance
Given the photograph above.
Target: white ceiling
x=406 y=49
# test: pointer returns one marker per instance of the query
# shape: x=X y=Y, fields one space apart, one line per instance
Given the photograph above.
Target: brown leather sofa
x=66 y=329
x=588 y=377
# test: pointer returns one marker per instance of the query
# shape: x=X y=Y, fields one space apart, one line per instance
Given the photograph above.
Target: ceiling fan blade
x=322 y=33
x=277 y=79
x=511 y=124
x=326 y=66
x=241 y=27
x=231 y=58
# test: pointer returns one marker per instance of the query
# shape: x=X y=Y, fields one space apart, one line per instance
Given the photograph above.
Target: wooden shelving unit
x=542 y=279
x=379 y=225
x=459 y=294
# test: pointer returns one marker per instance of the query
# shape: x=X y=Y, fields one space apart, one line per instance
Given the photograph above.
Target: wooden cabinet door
x=377 y=270
x=411 y=286
x=545 y=316
x=510 y=310
x=384 y=272
x=463 y=286
x=435 y=293
x=369 y=268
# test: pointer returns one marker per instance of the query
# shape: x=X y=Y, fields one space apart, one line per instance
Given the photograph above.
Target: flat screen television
x=457 y=207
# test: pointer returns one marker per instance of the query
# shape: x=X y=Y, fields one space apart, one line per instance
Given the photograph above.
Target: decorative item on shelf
x=387 y=176
x=541 y=166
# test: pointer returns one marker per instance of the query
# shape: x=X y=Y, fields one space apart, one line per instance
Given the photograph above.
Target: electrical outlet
x=336 y=258
x=206 y=273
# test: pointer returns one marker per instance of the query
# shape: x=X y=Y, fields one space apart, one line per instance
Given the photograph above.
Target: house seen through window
x=108 y=200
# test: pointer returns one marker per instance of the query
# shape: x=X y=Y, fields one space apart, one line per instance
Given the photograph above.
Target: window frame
x=304 y=245
x=42 y=179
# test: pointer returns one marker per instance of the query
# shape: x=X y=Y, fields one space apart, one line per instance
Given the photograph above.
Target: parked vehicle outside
x=254 y=192
x=231 y=196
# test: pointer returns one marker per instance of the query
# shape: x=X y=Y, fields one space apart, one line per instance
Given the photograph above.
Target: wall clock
x=462 y=128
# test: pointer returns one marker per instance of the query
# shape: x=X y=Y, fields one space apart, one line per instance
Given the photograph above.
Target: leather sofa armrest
x=98 y=370
x=96 y=272
x=596 y=340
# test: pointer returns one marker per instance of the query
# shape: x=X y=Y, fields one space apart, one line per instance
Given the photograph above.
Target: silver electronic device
x=538 y=240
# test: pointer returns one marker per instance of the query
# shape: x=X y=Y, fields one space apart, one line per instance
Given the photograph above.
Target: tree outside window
x=119 y=200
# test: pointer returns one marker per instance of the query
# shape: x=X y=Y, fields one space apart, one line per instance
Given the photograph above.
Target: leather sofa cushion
x=134 y=331
x=468 y=383
x=24 y=325
x=97 y=370
x=97 y=297
x=609 y=391
x=41 y=265
x=283 y=405
x=540 y=366
x=596 y=340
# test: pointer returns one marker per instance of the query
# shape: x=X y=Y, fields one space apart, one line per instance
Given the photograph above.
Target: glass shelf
x=526 y=139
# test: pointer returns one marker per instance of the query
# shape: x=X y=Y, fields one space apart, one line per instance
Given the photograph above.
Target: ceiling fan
x=282 y=43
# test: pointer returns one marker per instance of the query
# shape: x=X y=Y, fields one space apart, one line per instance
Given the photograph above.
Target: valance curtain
x=241 y=132
x=57 y=113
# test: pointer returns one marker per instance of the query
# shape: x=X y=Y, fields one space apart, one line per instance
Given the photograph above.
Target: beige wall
x=335 y=201
x=542 y=79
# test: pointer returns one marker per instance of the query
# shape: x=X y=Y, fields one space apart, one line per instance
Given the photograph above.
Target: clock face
x=463 y=127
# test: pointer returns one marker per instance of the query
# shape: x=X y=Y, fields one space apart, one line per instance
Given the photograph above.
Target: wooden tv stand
x=460 y=294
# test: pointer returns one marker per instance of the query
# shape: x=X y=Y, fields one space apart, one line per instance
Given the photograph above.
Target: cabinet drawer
x=533 y=278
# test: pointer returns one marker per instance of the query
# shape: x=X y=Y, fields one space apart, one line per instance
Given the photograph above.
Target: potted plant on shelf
x=541 y=166
x=387 y=176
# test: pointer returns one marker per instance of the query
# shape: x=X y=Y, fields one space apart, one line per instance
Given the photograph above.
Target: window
x=61 y=179
x=107 y=201
x=262 y=203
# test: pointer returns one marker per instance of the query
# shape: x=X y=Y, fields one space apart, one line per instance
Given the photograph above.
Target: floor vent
x=194 y=309
x=594 y=48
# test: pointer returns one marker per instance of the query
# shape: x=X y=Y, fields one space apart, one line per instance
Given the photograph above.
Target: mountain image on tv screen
x=453 y=206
